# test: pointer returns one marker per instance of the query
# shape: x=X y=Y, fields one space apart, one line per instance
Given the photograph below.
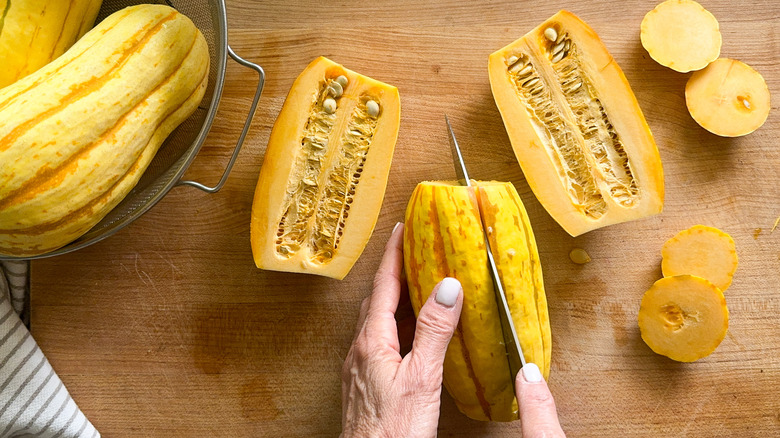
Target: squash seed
x=372 y=108
x=557 y=57
x=550 y=34
x=335 y=89
x=329 y=105
x=558 y=47
x=343 y=81
x=512 y=59
x=579 y=256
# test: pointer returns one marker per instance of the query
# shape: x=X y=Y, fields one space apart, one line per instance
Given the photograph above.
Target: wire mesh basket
x=179 y=149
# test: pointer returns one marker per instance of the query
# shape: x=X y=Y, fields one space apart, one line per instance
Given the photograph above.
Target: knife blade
x=514 y=351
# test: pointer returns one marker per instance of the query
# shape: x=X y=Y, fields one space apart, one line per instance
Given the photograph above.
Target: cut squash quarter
x=576 y=127
x=683 y=317
x=681 y=35
x=323 y=180
x=702 y=251
x=728 y=98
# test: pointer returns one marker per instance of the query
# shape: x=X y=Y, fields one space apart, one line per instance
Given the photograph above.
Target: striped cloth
x=33 y=401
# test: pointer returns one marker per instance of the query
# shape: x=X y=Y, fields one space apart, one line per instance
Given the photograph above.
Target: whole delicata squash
x=576 y=127
x=34 y=32
x=323 y=179
x=76 y=135
x=444 y=237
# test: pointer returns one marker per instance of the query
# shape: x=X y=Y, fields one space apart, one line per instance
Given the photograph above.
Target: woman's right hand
x=537 y=407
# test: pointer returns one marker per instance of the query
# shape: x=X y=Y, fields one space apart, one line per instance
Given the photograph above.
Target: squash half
x=576 y=127
x=443 y=237
x=325 y=170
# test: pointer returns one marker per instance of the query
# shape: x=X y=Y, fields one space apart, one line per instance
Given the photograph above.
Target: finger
x=537 y=406
x=380 y=323
x=436 y=323
x=387 y=282
x=361 y=320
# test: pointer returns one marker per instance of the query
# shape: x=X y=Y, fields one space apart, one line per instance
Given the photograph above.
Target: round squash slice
x=728 y=98
x=681 y=35
x=702 y=251
x=683 y=317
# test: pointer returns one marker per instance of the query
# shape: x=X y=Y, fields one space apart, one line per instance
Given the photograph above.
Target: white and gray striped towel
x=33 y=401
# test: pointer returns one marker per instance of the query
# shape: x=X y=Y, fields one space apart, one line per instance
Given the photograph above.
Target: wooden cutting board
x=167 y=329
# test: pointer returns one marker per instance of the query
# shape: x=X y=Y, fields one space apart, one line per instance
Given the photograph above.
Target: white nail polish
x=395 y=228
x=448 y=292
x=531 y=373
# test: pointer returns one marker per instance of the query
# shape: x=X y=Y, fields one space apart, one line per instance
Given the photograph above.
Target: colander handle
x=241 y=137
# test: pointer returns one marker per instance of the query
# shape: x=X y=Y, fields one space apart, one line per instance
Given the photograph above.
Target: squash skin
x=443 y=237
x=35 y=32
x=76 y=135
x=533 y=150
x=280 y=175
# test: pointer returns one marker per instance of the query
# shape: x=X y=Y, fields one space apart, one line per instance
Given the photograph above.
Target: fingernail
x=395 y=228
x=531 y=373
x=448 y=292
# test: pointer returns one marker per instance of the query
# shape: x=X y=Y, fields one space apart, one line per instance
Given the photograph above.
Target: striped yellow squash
x=34 y=32
x=443 y=237
x=76 y=135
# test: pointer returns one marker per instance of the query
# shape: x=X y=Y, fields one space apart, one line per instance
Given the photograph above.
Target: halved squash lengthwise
x=576 y=127
x=443 y=237
x=323 y=180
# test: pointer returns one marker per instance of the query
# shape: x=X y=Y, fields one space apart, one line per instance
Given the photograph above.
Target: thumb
x=537 y=407
x=436 y=323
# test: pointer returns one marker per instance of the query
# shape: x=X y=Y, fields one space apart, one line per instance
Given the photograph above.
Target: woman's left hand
x=384 y=394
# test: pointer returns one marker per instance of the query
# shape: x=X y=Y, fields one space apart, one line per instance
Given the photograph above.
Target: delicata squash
x=443 y=237
x=325 y=170
x=576 y=127
x=34 y=32
x=76 y=135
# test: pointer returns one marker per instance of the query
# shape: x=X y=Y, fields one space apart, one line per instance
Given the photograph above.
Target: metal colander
x=179 y=149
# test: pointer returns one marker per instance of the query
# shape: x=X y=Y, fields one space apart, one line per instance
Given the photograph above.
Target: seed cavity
x=675 y=318
x=601 y=138
x=559 y=138
x=343 y=179
x=302 y=187
x=744 y=101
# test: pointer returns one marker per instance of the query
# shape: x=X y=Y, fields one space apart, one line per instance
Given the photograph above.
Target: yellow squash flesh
x=728 y=98
x=443 y=237
x=703 y=251
x=76 y=135
x=325 y=170
x=683 y=317
x=681 y=35
x=34 y=32
x=576 y=127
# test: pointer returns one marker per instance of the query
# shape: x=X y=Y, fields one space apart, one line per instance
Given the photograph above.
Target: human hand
x=384 y=394
x=536 y=404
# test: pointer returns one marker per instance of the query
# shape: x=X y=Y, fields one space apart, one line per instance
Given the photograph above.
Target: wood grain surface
x=168 y=330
